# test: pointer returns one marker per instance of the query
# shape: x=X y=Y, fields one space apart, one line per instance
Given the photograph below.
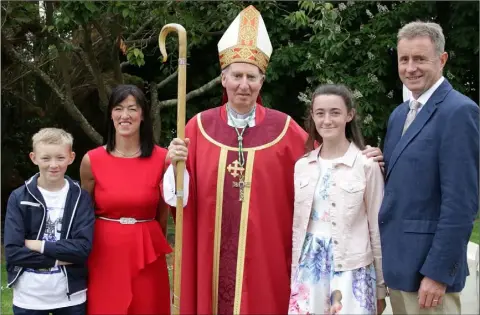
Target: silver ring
x=435 y=300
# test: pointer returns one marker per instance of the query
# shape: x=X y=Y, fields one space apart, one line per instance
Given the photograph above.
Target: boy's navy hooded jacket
x=26 y=219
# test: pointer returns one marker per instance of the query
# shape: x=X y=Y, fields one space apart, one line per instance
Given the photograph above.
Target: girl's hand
x=335 y=308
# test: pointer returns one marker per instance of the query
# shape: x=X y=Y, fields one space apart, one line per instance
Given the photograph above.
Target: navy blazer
x=431 y=192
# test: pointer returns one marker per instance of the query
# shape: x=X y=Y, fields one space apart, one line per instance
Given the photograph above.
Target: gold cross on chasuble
x=236 y=170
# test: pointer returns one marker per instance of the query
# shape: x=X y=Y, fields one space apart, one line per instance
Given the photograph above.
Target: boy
x=48 y=233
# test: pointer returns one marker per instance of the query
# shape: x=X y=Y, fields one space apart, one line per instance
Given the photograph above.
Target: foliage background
x=60 y=59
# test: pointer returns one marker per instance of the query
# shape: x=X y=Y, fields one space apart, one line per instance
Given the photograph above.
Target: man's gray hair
x=424 y=29
x=225 y=70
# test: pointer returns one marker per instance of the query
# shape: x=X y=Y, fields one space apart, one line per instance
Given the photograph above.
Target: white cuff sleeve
x=169 y=187
x=43 y=247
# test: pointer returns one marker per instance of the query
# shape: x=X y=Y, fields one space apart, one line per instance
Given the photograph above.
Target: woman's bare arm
x=86 y=176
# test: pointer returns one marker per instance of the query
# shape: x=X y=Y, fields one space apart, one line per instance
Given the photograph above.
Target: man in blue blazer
x=431 y=195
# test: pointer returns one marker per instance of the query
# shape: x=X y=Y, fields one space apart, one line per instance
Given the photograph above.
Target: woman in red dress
x=127 y=266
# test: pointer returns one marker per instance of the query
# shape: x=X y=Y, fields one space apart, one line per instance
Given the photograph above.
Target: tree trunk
x=157 y=127
x=97 y=70
x=155 y=113
x=117 y=70
x=65 y=97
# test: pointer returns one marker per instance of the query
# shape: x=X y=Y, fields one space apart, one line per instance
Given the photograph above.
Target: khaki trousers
x=407 y=303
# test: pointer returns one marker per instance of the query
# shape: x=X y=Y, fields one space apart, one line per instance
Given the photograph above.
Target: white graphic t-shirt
x=46 y=289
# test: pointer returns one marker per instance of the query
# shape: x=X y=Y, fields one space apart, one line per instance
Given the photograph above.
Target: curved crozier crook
x=182 y=39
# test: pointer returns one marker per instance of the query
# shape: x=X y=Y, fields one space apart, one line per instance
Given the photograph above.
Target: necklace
x=241 y=184
x=126 y=155
x=241 y=157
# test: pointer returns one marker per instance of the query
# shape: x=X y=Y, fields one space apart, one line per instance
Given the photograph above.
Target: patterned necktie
x=414 y=105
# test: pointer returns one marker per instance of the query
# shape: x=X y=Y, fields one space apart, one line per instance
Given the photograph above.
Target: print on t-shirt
x=55 y=202
x=53 y=228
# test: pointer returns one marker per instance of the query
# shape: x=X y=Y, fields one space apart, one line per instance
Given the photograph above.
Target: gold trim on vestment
x=222 y=165
x=261 y=147
x=242 y=238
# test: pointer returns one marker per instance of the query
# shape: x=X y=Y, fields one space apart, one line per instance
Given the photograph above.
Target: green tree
x=78 y=45
x=354 y=43
x=60 y=60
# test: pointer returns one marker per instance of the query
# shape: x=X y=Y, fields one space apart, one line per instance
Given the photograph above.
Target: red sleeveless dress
x=127 y=266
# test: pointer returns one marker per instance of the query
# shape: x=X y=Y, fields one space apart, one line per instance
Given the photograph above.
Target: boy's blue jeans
x=79 y=309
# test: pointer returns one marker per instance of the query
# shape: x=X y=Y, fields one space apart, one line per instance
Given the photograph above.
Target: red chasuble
x=237 y=254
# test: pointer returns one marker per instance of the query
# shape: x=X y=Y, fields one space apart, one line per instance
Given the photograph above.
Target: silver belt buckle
x=128 y=221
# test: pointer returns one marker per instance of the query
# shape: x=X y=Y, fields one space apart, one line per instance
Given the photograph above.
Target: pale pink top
x=354 y=201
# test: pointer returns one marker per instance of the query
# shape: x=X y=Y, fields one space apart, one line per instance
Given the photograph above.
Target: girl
x=336 y=255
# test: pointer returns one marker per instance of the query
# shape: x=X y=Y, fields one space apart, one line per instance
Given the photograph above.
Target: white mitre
x=246 y=40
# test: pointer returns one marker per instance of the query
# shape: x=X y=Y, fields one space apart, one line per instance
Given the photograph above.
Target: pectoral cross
x=241 y=184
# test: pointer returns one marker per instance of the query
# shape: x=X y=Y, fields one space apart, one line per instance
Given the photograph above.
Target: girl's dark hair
x=119 y=94
x=352 y=129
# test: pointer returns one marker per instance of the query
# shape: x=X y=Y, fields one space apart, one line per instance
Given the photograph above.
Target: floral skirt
x=318 y=289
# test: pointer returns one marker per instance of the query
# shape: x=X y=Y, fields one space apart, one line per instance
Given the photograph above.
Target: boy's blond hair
x=52 y=136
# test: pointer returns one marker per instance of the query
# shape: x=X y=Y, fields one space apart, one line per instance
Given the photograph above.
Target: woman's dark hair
x=119 y=94
x=352 y=129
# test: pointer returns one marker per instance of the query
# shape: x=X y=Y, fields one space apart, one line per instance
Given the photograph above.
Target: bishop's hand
x=178 y=150
x=376 y=154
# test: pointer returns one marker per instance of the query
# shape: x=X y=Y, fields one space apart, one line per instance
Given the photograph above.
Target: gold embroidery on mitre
x=239 y=53
x=247 y=34
x=246 y=49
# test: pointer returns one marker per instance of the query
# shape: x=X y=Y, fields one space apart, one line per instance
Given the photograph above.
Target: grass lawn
x=171 y=241
x=6 y=294
x=475 y=237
